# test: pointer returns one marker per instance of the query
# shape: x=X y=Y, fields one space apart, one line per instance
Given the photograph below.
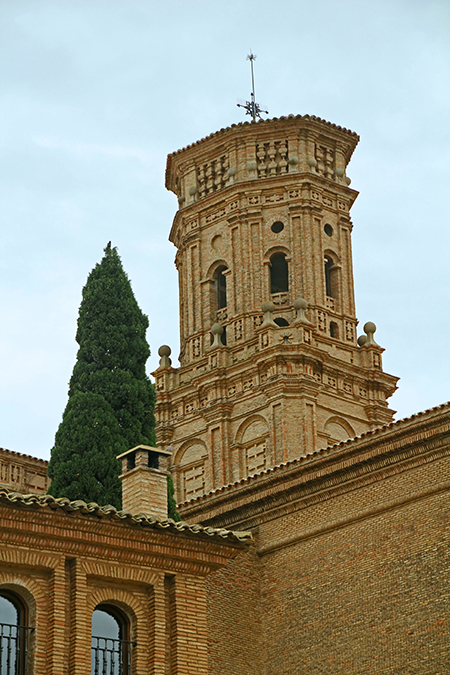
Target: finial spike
x=251 y=107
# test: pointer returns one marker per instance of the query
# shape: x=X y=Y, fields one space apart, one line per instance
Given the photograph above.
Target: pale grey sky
x=95 y=93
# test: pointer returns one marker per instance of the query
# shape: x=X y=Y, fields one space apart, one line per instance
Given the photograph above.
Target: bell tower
x=271 y=368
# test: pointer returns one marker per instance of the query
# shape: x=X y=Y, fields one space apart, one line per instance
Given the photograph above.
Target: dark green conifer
x=111 y=399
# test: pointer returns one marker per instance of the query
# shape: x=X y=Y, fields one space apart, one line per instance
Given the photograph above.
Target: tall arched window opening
x=279 y=274
x=331 y=278
x=14 y=634
x=220 y=282
x=110 y=646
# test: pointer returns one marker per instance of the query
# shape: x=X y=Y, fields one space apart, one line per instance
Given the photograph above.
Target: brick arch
x=338 y=429
x=189 y=470
x=27 y=589
x=220 y=262
x=273 y=250
x=333 y=255
x=246 y=424
x=252 y=439
x=123 y=599
x=182 y=455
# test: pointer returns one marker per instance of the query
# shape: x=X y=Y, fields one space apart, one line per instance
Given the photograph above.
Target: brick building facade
x=62 y=560
x=324 y=526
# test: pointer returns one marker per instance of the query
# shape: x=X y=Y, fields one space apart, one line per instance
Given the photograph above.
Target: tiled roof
x=64 y=504
x=261 y=122
x=21 y=454
x=292 y=462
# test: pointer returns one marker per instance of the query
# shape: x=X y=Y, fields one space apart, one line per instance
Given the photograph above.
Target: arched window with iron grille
x=111 y=647
x=15 y=634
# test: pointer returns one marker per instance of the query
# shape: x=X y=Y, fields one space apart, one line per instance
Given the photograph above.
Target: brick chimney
x=144 y=480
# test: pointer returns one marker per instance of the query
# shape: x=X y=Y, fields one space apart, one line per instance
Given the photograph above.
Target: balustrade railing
x=14 y=642
x=110 y=657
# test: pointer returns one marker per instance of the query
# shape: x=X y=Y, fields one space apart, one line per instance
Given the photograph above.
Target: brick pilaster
x=189 y=653
x=80 y=622
x=57 y=619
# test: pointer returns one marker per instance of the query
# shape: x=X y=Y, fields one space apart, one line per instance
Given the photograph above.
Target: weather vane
x=252 y=108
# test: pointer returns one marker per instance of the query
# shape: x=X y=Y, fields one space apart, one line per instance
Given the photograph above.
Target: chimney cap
x=150 y=448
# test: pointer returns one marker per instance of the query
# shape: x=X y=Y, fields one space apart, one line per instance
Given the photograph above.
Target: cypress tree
x=111 y=399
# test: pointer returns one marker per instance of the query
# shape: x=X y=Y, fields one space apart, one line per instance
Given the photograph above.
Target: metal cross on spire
x=252 y=108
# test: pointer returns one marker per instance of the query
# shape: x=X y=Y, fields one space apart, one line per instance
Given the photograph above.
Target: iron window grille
x=14 y=644
x=110 y=656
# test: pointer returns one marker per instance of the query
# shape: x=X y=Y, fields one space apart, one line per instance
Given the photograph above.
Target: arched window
x=14 y=634
x=328 y=268
x=334 y=329
x=220 y=284
x=331 y=278
x=110 y=646
x=279 y=274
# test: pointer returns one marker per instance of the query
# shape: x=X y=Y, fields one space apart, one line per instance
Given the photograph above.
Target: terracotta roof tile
x=64 y=504
x=261 y=122
x=21 y=454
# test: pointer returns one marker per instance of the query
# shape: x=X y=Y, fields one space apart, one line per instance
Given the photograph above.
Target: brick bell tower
x=270 y=365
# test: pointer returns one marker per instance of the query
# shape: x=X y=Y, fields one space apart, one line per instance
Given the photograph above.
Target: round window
x=328 y=229
x=278 y=226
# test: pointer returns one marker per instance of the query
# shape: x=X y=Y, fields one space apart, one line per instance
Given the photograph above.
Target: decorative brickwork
x=65 y=558
x=23 y=473
x=264 y=216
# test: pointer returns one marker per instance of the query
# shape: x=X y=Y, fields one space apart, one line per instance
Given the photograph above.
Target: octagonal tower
x=263 y=233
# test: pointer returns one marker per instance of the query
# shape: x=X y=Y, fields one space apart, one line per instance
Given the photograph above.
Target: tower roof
x=261 y=125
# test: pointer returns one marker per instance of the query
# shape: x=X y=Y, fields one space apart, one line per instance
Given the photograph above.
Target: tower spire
x=252 y=108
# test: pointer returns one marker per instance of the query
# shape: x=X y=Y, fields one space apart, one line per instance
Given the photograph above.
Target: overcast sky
x=94 y=95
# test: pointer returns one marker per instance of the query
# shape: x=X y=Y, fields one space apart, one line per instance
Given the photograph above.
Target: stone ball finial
x=339 y=172
x=300 y=305
x=267 y=307
x=347 y=180
x=369 y=329
x=312 y=162
x=362 y=340
x=232 y=171
x=293 y=162
x=216 y=331
x=193 y=190
x=164 y=352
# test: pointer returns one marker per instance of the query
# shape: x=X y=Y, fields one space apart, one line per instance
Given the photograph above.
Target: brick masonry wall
x=234 y=617
x=354 y=565
x=145 y=491
x=371 y=597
